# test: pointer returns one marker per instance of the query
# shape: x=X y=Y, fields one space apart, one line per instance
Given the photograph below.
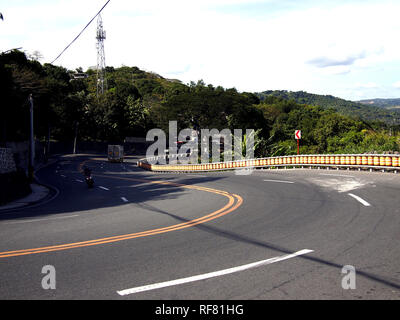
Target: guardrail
x=368 y=161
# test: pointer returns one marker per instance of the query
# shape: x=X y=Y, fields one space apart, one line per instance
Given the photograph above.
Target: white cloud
x=396 y=84
x=368 y=85
x=304 y=49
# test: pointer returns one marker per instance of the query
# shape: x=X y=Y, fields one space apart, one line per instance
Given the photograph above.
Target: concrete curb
x=40 y=192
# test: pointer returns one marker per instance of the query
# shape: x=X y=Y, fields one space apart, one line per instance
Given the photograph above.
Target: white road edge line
x=211 y=274
x=365 y=203
x=280 y=181
x=104 y=188
x=77 y=180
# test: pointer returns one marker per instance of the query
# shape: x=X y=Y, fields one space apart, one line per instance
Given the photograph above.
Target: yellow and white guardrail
x=370 y=161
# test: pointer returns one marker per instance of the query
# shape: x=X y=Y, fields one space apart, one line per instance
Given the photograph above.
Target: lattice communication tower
x=101 y=59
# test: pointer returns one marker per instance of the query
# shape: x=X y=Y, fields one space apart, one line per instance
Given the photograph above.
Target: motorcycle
x=88 y=177
x=89 y=181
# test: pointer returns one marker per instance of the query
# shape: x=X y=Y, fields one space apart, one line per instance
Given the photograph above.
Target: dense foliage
x=136 y=101
x=323 y=131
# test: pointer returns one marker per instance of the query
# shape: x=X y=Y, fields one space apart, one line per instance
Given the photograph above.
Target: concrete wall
x=20 y=151
x=7 y=163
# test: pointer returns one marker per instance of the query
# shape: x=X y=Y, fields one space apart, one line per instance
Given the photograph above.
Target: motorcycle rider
x=87 y=172
x=88 y=176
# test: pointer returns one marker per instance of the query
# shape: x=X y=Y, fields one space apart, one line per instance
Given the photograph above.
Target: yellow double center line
x=234 y=201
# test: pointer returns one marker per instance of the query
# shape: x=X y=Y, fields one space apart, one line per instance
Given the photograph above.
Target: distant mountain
x=382 y=103
x=363 y=110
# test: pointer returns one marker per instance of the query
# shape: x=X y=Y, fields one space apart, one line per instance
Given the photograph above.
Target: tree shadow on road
x=147 y=192
x=74 y=196
x=266 y=245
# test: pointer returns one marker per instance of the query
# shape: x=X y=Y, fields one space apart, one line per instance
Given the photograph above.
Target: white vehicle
x=115 y=153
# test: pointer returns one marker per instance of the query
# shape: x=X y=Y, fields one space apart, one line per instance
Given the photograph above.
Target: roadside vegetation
x=136 y=101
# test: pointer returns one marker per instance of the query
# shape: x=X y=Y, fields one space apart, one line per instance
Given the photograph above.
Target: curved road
x=283 y=234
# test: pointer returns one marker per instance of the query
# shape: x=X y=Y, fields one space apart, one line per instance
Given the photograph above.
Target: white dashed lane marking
x=359 y=199
x=279 y=181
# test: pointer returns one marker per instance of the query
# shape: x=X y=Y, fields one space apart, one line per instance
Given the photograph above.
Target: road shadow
x=74 y=195
x=270 y=246
x=146 y=192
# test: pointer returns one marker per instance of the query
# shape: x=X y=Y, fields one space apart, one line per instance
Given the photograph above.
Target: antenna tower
x=101 y=59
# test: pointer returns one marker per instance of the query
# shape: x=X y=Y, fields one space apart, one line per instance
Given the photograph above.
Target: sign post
x=31 y=160
x=297 y=135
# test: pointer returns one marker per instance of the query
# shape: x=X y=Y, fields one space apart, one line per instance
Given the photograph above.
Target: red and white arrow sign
x=297 y=134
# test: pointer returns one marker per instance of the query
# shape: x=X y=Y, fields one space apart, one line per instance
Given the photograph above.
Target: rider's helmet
x=86 y=170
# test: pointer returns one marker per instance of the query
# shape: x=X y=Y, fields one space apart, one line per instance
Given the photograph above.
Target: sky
x=345 y=48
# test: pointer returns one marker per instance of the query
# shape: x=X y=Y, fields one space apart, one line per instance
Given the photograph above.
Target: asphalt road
x=283 y=234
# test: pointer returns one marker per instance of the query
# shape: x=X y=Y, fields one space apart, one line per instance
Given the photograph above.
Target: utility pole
x=76 y=136
x=31 y=162
x=47 y=147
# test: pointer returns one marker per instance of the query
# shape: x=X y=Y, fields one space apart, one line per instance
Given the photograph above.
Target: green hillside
x=135 y=101
x=382 y=103
x=366 y=112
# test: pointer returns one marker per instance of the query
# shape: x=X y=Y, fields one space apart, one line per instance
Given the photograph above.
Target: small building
x=79 y=75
